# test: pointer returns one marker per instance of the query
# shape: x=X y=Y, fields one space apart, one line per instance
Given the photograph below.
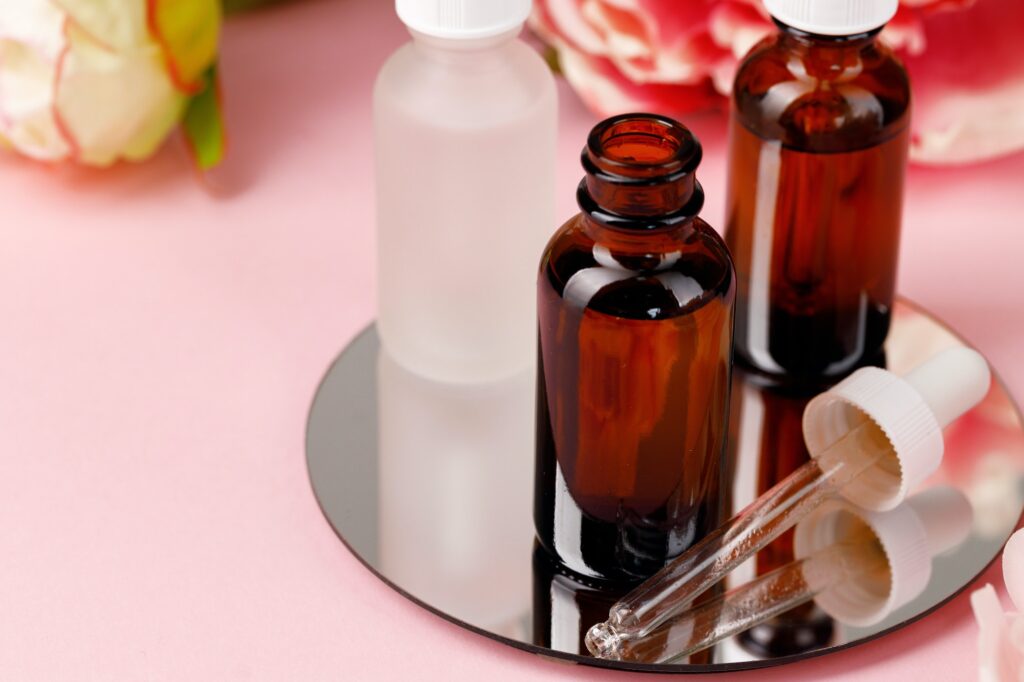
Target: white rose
x=86 y=80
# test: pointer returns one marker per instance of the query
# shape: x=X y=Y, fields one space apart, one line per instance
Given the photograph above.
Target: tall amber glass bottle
x=818 y=147
x=635 y=298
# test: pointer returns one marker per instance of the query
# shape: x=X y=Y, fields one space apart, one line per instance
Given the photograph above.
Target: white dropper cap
x=911 y=411
x=833 y=17
x=463 y=19
x=928 y=524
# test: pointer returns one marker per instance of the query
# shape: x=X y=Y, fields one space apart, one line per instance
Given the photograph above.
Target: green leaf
x=550 y=55
x=203 y=124
x=242 y=5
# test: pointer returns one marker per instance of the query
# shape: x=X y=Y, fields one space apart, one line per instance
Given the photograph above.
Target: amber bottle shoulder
x=620 y=265
x=822 y=96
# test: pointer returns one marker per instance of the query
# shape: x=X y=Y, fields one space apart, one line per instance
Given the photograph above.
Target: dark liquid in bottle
x=632 y=400
x=815 y=237
x=818 y=144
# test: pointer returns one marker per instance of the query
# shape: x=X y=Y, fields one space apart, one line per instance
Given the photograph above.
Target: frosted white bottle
x=465 y=119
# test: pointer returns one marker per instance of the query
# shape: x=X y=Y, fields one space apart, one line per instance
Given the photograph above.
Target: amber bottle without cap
x=818 y=147
x=635 y=305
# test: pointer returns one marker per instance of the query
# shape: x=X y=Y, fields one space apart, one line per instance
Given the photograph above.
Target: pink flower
x=966 y=61
x=1001 y=634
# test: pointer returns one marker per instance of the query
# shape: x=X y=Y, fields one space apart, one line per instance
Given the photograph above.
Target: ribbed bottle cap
x=930 y=523
x=910 y=411
x=833 y=17
x=463 y=19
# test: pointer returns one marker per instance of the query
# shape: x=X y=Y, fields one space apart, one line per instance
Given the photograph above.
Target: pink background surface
x=161 y=345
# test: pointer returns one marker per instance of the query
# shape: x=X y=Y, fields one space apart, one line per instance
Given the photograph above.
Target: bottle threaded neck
x=641 y=166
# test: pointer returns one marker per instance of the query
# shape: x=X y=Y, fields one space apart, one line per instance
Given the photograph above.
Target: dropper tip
x=603 y=641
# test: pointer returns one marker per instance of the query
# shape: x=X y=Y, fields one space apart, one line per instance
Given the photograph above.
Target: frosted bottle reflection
x=635 y=298
x=455 y=504
x=465 y=128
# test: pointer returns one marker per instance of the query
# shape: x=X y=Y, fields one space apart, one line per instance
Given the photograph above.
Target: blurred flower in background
x=965 y=57
x=97 y=81
x=1001 y=634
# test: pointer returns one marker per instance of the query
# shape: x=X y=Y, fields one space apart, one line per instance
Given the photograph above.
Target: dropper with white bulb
x=872 y=438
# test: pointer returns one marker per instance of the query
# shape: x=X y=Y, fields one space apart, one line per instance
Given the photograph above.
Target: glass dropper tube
x=670 y=591
x=747 y=605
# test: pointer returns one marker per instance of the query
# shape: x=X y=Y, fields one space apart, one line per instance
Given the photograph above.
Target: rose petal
x=188 y=32
x=1013 y=568
x=965 y=59
x=26 y=98
x=35 y=23
x=968 y=126
x=737 y=27
x=31 y=42
x=563 y=19
x=905 y=32
x=148 y=104
x=998 y=660
x=969 y=84
x=607 y=92
x=625 y=34
x=679 y=49
x=118 y=24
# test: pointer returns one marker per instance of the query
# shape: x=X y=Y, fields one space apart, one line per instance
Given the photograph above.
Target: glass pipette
x=747 y=605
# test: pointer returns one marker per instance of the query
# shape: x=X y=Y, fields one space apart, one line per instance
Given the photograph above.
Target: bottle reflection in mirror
x=766 y=444
x=635 y=300
x=565 y=606
x=454 y=493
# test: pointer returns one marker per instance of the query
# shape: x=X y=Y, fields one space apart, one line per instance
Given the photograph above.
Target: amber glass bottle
x=818 y=148
x=635 y=298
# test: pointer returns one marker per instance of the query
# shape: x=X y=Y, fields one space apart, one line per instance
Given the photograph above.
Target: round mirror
x=431 y=486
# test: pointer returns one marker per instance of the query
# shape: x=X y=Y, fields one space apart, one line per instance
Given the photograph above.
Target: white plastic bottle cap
x=463 y=19
x=951 y=383
x=911 y=411
x=930 y=523
x=833 y=17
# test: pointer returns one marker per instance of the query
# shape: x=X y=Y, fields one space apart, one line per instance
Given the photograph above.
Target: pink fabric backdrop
x=161 y=345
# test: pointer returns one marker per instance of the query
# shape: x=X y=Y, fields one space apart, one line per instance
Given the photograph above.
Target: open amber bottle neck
x=640 y=175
